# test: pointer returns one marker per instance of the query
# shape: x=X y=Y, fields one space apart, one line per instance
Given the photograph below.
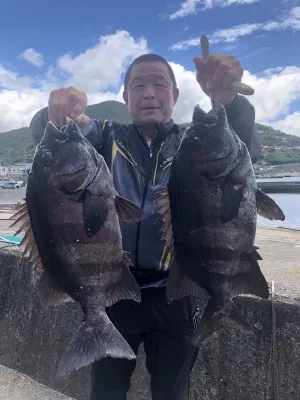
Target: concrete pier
x=230 y=365
x=277 y=186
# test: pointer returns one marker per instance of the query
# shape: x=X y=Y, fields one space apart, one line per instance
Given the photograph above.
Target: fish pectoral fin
x=123 y=286
x=22 y=222
x=50 y=293
x=127 y=210
x=95 y=211
x=267 y=207
x=179 y=285
x=216 y=318
x=96 y=338
x=230 y=202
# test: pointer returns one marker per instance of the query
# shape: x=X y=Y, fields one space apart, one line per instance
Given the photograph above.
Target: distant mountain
x=110 y=110
x=274 y=137
x=17 y=145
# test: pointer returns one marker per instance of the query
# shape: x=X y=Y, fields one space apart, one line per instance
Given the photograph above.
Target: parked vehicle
x=10 y=185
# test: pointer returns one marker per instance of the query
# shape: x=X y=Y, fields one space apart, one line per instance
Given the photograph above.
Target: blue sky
x=50 y=44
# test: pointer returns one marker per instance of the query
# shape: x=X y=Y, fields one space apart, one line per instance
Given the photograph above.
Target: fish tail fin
x=95 y=339
x=216 y=317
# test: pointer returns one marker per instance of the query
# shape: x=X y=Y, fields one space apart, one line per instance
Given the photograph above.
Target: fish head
x=209 y=138
x=66 y=157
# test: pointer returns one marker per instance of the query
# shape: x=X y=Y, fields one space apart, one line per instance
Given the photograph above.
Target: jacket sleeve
x=96 y=131
x=241 y=116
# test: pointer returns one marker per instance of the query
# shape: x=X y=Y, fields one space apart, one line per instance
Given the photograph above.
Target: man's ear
x=176 y=95
x=125 y=97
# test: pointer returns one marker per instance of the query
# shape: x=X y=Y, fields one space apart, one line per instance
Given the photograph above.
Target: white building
x=17 y=169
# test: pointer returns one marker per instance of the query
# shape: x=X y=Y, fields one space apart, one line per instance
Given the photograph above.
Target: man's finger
x=53 y=107
x=199 y=63
x=231 y=75
x=77 y=110
x=63 y=105
x=71 y=101
x=77 y=101
x=201 y=72
x=220 y=72
x=82 y=120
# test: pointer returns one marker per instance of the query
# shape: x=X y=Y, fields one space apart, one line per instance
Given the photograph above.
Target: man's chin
x=149 y=121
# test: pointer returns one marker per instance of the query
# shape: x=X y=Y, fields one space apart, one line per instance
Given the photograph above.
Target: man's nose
x=149 y=92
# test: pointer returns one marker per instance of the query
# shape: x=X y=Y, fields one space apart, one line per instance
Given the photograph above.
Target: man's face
x=150 y=94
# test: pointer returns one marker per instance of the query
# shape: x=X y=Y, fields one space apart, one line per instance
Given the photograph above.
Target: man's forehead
x=149 y=68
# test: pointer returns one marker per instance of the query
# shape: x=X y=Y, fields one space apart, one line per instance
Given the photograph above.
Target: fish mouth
x=199 y=156
x=74 y=172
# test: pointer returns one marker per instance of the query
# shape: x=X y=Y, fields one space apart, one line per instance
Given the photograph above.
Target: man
x=139 y=157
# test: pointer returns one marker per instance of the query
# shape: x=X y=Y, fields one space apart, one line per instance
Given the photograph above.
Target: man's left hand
x=215 y=74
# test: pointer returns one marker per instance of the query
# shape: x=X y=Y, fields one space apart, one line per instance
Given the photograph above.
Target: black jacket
x=139 y=172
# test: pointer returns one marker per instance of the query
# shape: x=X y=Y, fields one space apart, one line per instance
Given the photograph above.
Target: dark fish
x=72 y=234
x=209 y=209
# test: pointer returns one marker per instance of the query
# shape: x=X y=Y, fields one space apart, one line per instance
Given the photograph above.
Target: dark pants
x=165 y=329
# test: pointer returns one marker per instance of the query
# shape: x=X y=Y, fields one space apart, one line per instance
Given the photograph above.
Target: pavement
x=17 y=386
x=11 y=196
x=280 y=250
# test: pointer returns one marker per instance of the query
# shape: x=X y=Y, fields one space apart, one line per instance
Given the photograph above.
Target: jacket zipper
x=148 y=179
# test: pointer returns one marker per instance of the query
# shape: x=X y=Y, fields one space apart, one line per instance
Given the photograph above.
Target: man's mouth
x=150 y=108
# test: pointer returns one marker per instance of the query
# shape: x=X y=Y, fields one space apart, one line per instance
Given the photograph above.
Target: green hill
x=17 y=145
x=274 y=137
x=110 y=110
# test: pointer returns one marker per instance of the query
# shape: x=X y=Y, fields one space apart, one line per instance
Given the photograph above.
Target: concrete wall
x=229 y=366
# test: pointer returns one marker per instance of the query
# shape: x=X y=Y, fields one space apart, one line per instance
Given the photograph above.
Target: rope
x=273 y=345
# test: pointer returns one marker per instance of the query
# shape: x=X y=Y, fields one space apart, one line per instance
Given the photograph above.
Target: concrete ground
x=16 y=386
x=280 y=250
x=11 y=195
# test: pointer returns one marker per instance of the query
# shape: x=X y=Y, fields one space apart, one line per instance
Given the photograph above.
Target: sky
x=90 y=44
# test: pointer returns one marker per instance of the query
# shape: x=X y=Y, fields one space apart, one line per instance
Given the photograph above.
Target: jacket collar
x=165 y=128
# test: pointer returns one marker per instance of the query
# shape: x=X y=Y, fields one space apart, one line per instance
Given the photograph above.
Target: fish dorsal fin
x=49 y=290
x=127 y=210
x=165 y=212
x=267 y=207
x=21 y=221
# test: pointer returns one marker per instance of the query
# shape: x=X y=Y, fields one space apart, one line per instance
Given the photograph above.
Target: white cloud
x=33 y=57
x=288 y=21
x=100 y=67
x=190 y=7
x=21 y=96
x=275 y=90
x=17 y=107
x=97 y=71
x=190 y=94
x=290 y=124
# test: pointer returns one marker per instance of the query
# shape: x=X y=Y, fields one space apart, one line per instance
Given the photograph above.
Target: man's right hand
x=67 y=102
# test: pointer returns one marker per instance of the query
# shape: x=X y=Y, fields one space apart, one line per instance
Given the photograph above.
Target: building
x=18 y=169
